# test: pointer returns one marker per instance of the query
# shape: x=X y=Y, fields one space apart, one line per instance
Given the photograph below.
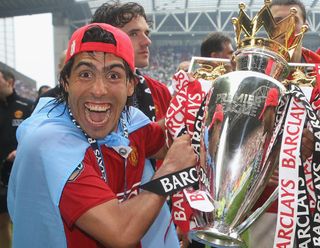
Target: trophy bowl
x=238 y=152
x=241 y=125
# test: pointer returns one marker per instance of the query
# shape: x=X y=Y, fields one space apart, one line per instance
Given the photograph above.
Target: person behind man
x=151 y=96
x=263 y=231
x=43 y=89
x=217 y=45
x=280 y=9
x=13 y=110
x=72 y=159
x=184 y=65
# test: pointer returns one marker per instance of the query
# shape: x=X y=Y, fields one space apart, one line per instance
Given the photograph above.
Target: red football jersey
x=86 y=189
x=160 y=95
x=161 y=98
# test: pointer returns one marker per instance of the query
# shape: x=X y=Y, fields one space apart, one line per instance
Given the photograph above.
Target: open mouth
x=97 y=114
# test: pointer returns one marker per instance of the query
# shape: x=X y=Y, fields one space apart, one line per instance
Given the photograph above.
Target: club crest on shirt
x=133 y=157
x=16 y=122
x=18 y=114
x=76 y=173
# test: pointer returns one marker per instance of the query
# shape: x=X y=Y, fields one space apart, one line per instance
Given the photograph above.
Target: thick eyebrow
x=139 y=30
x=115 y=65
x=134 y=30
x=85 y=63
x=93 y=67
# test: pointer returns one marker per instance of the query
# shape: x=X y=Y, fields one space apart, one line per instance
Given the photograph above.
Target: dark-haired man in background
x=217 y=45
x=13 y=110
x=151 y=96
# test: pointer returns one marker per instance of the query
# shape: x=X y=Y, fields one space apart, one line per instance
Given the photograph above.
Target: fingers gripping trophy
x=251 y=123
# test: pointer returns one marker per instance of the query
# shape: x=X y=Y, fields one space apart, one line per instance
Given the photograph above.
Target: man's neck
x=4 y=98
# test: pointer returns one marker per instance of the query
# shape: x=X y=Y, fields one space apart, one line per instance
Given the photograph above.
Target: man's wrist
x=172 y=182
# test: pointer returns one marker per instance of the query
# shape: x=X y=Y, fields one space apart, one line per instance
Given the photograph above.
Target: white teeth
x=97 y=108
x=95 y=122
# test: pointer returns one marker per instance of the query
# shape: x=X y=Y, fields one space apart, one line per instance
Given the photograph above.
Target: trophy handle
x=257 y=213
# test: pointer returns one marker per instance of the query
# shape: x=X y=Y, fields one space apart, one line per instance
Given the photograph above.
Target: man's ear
x=130 y=87
x=11 y=82
x=64 y=85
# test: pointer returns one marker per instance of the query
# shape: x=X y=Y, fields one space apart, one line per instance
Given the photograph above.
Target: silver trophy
x=236 y=137
x=239 y=144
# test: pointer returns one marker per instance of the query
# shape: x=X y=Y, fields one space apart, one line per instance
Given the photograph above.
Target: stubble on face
x=97 y=92
x=138 y=30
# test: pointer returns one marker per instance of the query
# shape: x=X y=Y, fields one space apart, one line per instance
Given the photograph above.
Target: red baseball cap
x=122 y=49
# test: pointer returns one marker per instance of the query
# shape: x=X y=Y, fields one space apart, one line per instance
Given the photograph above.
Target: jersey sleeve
x=161 y=96
x=84 y=190
x=155 y=138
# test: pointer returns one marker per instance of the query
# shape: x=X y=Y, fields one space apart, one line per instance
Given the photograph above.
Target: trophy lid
x=275 y=50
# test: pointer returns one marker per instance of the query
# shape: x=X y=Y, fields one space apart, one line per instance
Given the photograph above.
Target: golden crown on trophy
x=282 y=38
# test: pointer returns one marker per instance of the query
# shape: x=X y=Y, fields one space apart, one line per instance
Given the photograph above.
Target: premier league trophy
x=239 y=145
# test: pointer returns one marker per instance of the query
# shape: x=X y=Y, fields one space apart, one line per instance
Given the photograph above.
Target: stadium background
x=178 y=26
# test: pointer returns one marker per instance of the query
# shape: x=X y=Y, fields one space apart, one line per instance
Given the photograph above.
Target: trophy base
x=212 y=236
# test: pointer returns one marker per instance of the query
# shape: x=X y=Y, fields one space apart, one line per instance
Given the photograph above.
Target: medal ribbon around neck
x=94 y=144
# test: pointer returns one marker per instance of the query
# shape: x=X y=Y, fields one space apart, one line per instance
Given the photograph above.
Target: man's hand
x=274 y=179
x=180 y=156
x=307 y=148
x=12 y=156
x=183 y=238
x=307 y=144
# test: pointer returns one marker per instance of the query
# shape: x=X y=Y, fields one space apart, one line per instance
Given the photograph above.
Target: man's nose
x=146 y=41
x=99 y=87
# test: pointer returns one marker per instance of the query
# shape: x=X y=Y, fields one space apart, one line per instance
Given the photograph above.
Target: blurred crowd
x=26 y=90
x=165 y=60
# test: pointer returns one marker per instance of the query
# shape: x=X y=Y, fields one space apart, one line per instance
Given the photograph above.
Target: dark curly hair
x=214 y=43
x=117 y=14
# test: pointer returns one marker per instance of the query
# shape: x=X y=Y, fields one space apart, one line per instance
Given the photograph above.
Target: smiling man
x=150 y=96
x=98 y=115
x=80 y=158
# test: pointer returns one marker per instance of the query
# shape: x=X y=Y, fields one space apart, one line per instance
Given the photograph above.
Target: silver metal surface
x=233 y=153
x=196 y=63
x=264 y=61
